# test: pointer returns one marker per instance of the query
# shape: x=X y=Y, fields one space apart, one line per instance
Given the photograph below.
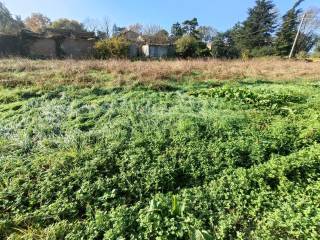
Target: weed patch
x=189 y=160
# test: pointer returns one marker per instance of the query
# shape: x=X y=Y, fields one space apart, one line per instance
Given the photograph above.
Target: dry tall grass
x=39 y=72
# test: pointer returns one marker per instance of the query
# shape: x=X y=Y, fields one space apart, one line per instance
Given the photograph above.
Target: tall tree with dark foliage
x=288 y=30
x=257 y=29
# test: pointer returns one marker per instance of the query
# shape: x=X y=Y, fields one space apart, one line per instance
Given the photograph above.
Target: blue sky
x=221 y=14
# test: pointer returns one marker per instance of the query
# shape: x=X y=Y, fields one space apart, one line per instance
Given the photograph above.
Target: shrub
x=223 y=47
x=68 y=24
x=116 y=47
x=189 y=46
x=262 y=51
x=302 y=55
x=203 y=50
x=186 y=46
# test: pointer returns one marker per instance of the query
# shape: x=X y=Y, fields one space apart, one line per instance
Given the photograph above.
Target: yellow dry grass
x=18 y=71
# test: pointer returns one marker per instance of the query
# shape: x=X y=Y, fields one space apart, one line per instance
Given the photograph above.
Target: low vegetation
x=261 y=34
x=25 y=72
x=116 y=47
x=159 y=150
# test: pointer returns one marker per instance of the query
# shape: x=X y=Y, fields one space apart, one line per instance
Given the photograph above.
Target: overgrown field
x=131 y=155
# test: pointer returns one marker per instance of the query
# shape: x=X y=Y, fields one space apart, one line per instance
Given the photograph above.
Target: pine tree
x=288 y=30
x=257 y=30
x=190 y=27
x=177 y=31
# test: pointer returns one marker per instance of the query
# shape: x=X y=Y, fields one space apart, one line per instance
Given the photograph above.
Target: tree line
x=261 y=34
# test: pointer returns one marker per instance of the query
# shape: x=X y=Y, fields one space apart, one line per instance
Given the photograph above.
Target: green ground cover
x=188 y=161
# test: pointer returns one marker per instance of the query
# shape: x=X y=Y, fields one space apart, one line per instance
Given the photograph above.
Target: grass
x=112 y=73
x=159 y=150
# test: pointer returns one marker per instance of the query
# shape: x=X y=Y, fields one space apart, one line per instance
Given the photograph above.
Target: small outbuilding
x=158 y=50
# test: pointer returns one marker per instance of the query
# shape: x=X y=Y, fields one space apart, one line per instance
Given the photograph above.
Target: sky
x=220 y=14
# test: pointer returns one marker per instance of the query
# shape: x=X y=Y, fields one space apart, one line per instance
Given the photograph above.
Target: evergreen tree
x=288 y=30
x=190 y=27
x=257 y=30
x=177 y=31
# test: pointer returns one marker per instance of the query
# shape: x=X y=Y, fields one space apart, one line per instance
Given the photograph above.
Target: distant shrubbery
x=116 y=47
x=67 y=24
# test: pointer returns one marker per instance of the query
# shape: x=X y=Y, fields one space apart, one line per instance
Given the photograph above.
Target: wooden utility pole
x=297 y=36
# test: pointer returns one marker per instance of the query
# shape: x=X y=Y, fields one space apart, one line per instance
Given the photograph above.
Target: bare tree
x=106 y=27
x=207 y=33
x=100 y=27
x=155 y=34
x=138 y=28
x=151 y=29
x=91 y=24
x=309 y=30
x=312 y=21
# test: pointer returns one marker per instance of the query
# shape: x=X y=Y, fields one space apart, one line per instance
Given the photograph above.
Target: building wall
x=69 y=47
x=145 y=50
x=9 y=45
x=45 y=47
x=133 y=51
x=157 y=51
x=42 y=48
x=76 y=48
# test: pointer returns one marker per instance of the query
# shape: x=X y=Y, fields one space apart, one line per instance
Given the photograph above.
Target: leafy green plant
x=116 y=47
x=189 y=46
x=237 y=161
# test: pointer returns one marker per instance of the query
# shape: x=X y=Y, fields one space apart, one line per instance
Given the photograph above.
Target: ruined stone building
x=54 y=43
x=49 y=44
